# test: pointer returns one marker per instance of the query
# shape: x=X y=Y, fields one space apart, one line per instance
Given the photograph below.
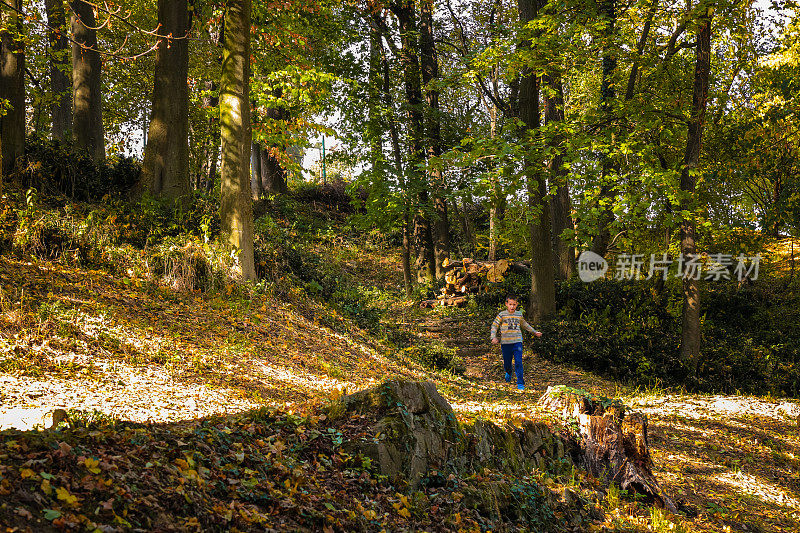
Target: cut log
x=456 y=301
x=613 y=443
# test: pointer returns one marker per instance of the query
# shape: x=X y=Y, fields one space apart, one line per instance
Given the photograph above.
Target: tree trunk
x=87 y=103
x=613 y=442
x=165 y=169
x=60 y=82
x=430 y=76
x=12 y=86
x=409 y=57
x=273 y=175
x=609 y=171
x=690 y=331
x=256 y=187
x=208 y=169
x=236 y=207
x=560 y=205
x=543 y=295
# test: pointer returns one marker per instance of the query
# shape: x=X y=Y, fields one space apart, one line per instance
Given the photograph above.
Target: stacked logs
x=468 y=276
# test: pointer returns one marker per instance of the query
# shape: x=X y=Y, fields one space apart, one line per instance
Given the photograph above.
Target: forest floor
x=126 y=349
x=197 y=369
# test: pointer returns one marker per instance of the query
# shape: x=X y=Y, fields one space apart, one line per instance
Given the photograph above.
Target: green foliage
x=437 y=356
x=54 y=169
x=626 y=331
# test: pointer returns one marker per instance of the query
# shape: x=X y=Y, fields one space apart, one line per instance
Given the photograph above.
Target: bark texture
x=690 y=335
x=236 y=206
x=430 y=75
x=613 y=441
x=560 y=204
x=543 y=296
x=12 y=86
x=415 y=183
x=60 y=69
x=165 y=170
x=87 y=103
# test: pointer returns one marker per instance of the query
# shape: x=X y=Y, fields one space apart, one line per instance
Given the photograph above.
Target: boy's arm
x=495 y=325
x=528 y=327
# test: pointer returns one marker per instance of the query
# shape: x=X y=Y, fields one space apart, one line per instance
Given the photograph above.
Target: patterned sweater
x=509 y=325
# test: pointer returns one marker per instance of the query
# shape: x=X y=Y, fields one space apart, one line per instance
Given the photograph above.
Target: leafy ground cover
x=195 y=410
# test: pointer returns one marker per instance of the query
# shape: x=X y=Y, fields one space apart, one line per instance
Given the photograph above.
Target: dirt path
x=732 y=463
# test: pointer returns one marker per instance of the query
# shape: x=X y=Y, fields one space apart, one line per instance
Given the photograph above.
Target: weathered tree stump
x=613 y=440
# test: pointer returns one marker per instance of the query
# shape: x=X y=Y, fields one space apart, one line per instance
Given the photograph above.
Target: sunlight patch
x=762 y=489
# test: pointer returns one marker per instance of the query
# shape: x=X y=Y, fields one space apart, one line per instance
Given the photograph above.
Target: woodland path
x=732 y=463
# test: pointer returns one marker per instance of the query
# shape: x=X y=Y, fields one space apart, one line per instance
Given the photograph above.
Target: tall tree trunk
x=409 y=57
x=374 y=86
x=497 y=196
x=165 y=169
x=430 y=76
x=12 y=86
x=236 y=206
x=543 y=296
x=690 y=334
x=560 y=205
x=394 y=138
x=609 y=170
x=208 y=169
x=60 y=69
x=87 y=102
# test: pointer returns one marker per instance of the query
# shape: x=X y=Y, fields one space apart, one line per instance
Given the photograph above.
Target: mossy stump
x=612 y=439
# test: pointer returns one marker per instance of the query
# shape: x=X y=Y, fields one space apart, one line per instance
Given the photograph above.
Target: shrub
x=437 y=356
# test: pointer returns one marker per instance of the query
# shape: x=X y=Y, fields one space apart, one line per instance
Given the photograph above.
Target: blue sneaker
x=508 y=377
x=520 y=387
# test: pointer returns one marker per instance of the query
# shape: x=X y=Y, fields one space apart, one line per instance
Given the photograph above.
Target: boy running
x=508 y=323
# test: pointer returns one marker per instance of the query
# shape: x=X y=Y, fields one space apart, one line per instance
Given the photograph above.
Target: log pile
x=469 y=276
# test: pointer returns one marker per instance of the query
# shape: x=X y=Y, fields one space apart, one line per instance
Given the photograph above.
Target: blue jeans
x=515 y=351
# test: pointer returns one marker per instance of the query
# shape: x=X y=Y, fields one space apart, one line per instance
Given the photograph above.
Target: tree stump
x=613 y=441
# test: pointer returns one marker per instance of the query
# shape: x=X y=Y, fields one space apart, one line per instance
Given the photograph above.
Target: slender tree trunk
x=394 y=138
x=60 y=69
x=208 y=170
x=236 y=206
x=256 y=187
x=609 y=170
x=495 y=199
x=543 y=299
x=12 y=86
x=87 y=102
x=690 y=342
x=634 y=74
x=165 y=169
x=430 y=76
x=409 y=57
x=560 y=205
x=374 y=86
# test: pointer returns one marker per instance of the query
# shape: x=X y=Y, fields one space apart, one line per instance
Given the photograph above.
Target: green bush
x=56 y=170
x=437 y=356
x=628 y=331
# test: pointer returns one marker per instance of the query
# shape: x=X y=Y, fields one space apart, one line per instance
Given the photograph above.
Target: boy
x=508 y=323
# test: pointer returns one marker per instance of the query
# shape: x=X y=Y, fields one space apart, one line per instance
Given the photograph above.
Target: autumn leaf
x=26 y=473
x=92 y=465
x=64 y=495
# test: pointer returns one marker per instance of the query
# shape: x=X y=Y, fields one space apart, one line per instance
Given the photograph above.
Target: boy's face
x=511 y=305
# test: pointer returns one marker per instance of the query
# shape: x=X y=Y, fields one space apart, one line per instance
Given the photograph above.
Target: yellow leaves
x=26 y=473
x=64 y=495
x=92 y=465
x=402 y=506
x=46 y=488
x=369 y=514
